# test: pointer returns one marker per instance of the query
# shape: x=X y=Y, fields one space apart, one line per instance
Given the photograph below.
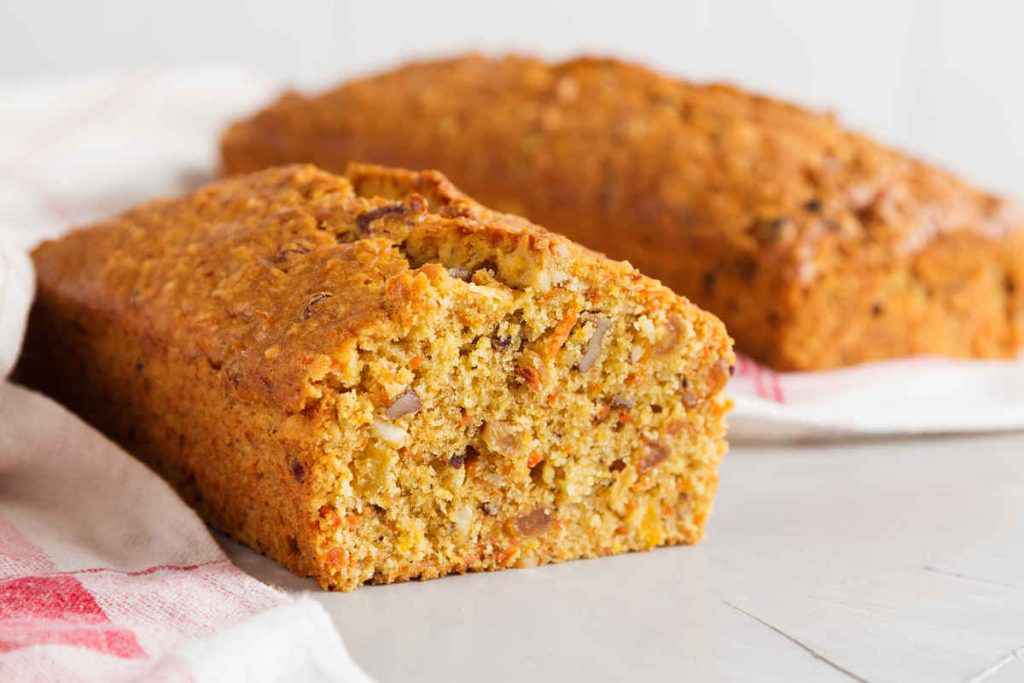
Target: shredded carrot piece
x=507 y=555
x=530 y=376
x=337 y=557
x=330 y=516
x=534 y=460
x=560 y=332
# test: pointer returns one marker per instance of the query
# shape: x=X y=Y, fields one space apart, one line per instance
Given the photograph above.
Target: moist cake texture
x=816 y=246
x=372 y=378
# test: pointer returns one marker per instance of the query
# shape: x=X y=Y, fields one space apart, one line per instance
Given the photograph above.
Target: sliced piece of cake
x=372 y=378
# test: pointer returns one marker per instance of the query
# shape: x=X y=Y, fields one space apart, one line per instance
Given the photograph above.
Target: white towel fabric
x=899 y=397
x=104 y=573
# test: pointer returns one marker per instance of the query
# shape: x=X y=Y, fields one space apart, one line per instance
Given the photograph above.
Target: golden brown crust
x=774 y=217
x=371 y=377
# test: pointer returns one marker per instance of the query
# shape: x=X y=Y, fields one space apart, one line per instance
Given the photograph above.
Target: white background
x=942 y=78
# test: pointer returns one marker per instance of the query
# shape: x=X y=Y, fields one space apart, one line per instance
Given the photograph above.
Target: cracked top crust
x=763 y=174
x=273 y=275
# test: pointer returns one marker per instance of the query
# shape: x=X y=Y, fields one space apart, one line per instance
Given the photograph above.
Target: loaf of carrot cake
x=372 y=378
x=816 y=246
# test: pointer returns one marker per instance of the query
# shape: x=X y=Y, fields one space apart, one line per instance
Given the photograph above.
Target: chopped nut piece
x=691 y=399
x=769 y=232
x=364 y=220
x=718 y=376
x=622 y=402
x=407 y=403
x=463 y=517
x=670 y=341
x=503 y=438
x=307 y=312
x=593 y=351
x=294 y=248
x=656 y=454
x=395 y=436
x=533 y=523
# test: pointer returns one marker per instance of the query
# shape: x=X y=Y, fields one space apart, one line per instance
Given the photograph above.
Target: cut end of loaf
x=534 y=403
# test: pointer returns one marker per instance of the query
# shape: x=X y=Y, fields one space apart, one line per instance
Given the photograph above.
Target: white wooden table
x=898 y=560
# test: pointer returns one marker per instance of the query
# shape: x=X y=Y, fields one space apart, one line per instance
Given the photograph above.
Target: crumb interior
x=517 y=424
